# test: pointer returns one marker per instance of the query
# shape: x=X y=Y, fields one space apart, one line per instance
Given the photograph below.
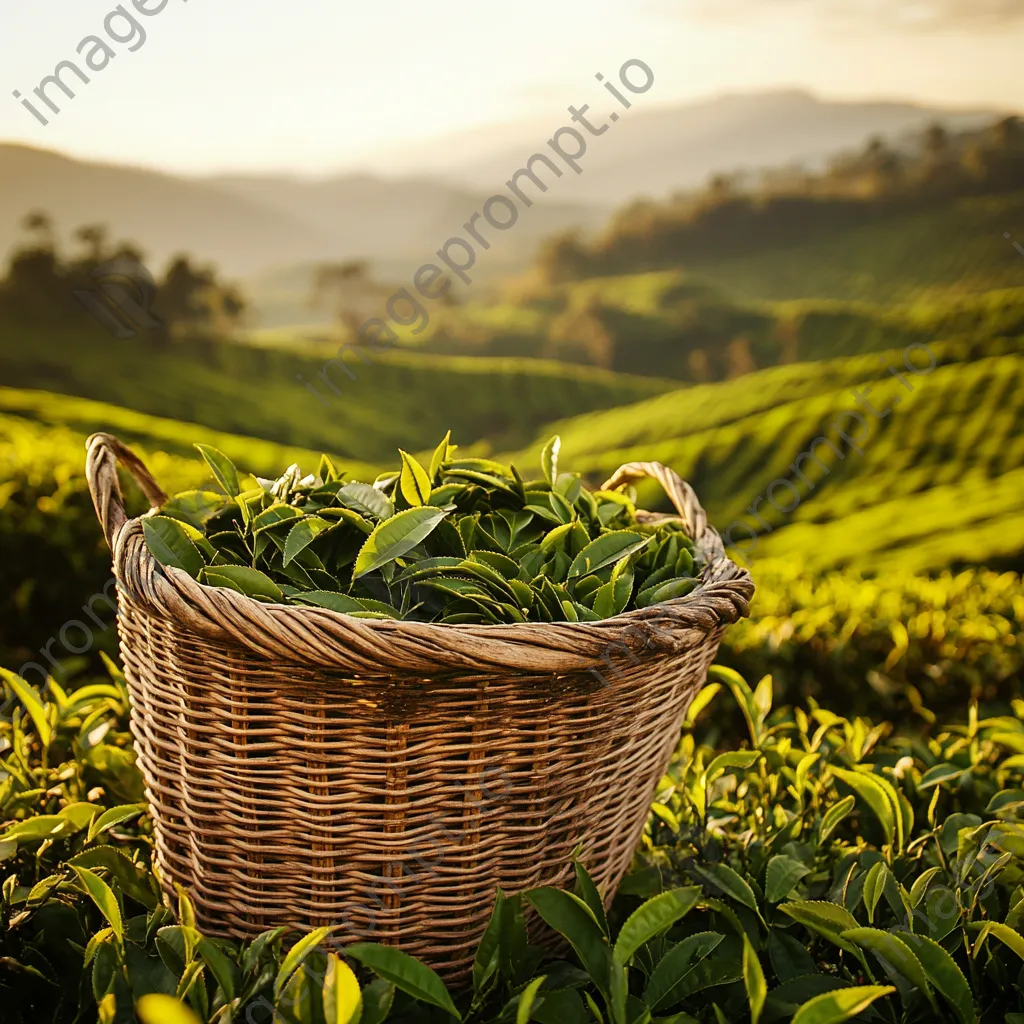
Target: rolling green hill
x=877 y=225
x=957 y=250
x=670 y=323
x=401 y=399
x=940 y=485
x=68 y=421
x=938 y=482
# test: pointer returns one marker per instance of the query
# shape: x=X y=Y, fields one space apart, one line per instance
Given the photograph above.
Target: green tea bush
x=54 y=555
x=50 y=548
x=829 y=869
x=896 y=643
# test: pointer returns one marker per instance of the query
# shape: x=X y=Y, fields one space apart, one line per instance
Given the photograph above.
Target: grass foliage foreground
x=829 y=870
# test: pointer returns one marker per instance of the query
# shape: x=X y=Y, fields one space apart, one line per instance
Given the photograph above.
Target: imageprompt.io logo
x=122 y=298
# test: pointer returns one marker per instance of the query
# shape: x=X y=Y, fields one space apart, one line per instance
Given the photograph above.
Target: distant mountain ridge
x=656 y=151
x=249 y=224
x=256 y=226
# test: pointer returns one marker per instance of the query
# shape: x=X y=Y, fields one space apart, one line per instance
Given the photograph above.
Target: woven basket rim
x=245 y=600
x=326 y=638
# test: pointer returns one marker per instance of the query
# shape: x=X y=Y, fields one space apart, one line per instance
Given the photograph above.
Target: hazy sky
x=316 y=85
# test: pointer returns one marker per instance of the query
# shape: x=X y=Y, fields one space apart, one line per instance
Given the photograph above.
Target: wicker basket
x=307 y=768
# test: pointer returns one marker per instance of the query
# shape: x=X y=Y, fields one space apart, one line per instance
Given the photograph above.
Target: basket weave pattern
x=306 y=768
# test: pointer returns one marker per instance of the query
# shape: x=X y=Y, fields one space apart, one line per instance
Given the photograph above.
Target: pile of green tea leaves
x=462 y=541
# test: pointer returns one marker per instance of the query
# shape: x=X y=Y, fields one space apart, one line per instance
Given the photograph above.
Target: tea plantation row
x=873 y=645
x=931 y=479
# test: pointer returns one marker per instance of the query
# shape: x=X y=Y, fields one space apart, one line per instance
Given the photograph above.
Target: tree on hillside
x=882 y=166
x=193 y=300
x=722 y=187
x=997 y=157
x=580 y=334
x=936 y=143
x=1009 y=133
x=350 y=292
x=34 y=267
x=39 y=223
x=940 y=170
x=232 y=305
x=94 y=237
x=186 y=293
x=112 y=284
x=563 y=257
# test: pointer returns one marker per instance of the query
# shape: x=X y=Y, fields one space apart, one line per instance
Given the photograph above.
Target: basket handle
x=680 y=493
x=104 y=452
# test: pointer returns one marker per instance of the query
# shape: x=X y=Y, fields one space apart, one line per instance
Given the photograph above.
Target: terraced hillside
x=671 y=323
x=399 y=399
x=66 y=421
x=953 y=250
x=936 y=481
x=53 y=554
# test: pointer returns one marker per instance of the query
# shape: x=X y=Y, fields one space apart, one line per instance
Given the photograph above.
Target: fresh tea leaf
x=442 y=453
x=834 y=815
x=874 y=885
x=607 y=550
x=343 y=1002
x=414 y=482
x=274 y=516
x=169 y=544
x=944 y=974
x=1011 y=939
x=871 y=790
x=302 y=534
x=573 y=919
x=327 y=599
x=404 y=972
x=36 y=709
x=241 y=578
x=103 y=896
x=366 y=500
x=724 y=879
x=674 y=966
x=111 y=817
x=159 y=1008
x=783 y=874
x=590 y=895
x=296 y=955
x=549 y=459
x=652 y=918
x=396 y=537
x=753 y=981
x=835 y=1007
x=893 y=952
x=223 y=469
